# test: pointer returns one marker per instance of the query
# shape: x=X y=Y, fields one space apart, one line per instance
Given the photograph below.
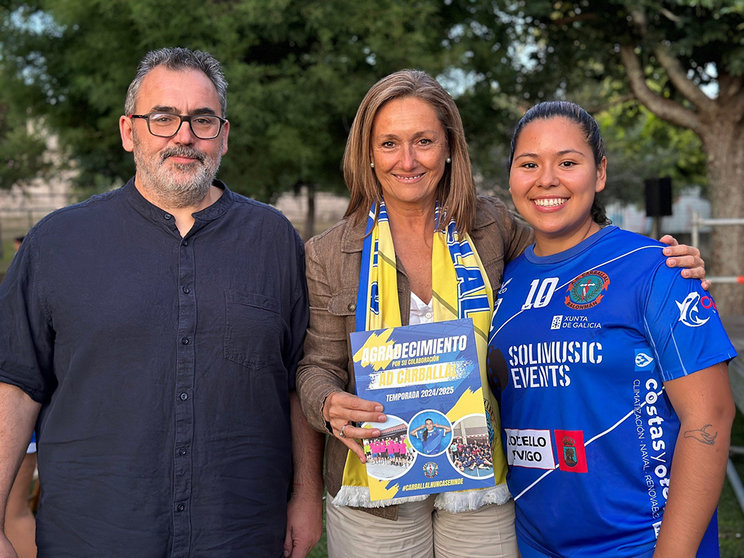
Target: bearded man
x=151 y=334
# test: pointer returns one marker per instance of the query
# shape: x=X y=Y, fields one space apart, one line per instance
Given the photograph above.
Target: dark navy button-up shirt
x=164 y=366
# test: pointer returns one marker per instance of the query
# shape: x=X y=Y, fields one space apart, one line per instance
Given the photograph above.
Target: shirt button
x=186 y=290
x=167 y=216
x=185 y=341
x=428 y=315
x=180 y=507
x=351 y=307
x=182 y=451
x=184 y=396
x=185 y=243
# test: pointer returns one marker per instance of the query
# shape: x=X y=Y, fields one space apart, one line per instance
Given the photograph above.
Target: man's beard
x=183 y=186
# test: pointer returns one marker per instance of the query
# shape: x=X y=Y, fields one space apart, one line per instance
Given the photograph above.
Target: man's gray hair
x=178 y=58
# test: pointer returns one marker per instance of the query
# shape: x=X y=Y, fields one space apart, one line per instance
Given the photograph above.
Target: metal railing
x=697 y=223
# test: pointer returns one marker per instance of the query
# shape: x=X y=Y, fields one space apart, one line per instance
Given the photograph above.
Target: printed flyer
x=435 y=438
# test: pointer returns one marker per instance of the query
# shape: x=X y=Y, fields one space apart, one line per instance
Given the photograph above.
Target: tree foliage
x=22 y=149
x=640 y=145
x=297 y=71
x=682 y=60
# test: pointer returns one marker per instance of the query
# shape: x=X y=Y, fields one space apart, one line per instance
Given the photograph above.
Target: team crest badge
x=431 y=469
x=586 y=290
x=569 y=452
x=572 y=453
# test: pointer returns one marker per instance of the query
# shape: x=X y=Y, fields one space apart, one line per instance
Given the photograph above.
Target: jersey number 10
x=540 y=293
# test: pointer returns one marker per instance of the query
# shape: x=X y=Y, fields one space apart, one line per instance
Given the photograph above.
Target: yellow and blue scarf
x=460 y=290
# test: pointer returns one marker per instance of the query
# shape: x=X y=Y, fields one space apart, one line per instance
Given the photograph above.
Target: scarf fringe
x=471 y=500
x=358 y=497
x=453 y=502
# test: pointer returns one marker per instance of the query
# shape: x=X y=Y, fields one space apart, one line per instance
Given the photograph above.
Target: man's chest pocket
x=254 y=330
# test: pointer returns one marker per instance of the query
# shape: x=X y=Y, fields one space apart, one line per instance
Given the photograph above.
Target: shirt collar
x=353 y=237
x=158 y=215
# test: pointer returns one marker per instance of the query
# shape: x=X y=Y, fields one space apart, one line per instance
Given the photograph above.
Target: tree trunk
x=720 y=125
x=724 y=147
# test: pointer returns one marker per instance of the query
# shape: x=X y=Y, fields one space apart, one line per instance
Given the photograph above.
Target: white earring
x=448 y=160
x=372 y=164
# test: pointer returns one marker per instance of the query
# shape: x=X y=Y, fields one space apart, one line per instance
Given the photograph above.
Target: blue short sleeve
x=683 y=325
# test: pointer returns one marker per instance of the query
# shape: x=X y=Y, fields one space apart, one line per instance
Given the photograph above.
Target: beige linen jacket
x=333 y=262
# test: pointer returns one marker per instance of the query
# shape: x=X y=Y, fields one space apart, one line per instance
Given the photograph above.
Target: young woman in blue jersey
x=611 y=369
x=431 y=437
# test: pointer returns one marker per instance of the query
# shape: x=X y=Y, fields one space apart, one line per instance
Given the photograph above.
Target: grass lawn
x=730 y=515
x=319 y=550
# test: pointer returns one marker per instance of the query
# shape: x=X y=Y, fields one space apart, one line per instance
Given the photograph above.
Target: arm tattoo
x=702 y=435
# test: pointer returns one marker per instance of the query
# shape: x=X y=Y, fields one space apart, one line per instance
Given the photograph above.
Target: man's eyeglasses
x=166 y=125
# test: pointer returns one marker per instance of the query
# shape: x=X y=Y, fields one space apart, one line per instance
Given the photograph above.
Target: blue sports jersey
x=581 y=343
x=432 y=442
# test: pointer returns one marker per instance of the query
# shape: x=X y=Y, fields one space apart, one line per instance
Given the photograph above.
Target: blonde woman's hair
x=455 y=191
